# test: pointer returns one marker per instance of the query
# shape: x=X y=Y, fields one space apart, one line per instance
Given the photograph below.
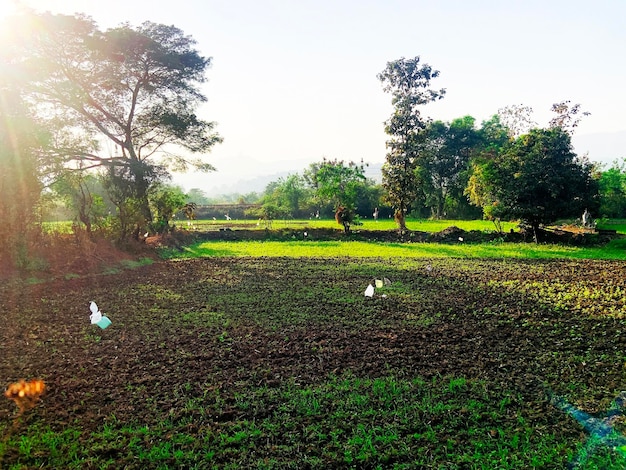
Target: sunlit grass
x=616 y=250
x=421 y=225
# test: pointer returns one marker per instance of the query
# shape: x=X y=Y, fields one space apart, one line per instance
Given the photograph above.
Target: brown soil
x=46 y=334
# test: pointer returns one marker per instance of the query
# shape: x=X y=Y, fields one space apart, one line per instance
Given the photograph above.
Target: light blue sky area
x=293 y=81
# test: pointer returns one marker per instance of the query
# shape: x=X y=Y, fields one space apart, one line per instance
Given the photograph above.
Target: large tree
x=408 y=81
x=536 y=179
x=443 y=163
x=338 y=183
x=133 y=90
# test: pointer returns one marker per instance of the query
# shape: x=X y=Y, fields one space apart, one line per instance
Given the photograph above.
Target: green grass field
x=615 y=250
x=423 y=225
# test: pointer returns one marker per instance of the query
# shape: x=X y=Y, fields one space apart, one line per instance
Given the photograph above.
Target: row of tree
x=533 y=176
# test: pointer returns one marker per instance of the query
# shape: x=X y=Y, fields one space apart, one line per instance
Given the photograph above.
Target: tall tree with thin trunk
x=408 y=81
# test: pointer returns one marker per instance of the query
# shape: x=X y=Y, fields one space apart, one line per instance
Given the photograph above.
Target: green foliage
x=443 y=163
x=408 y=82
x=537 y=179
x=166 y=200
x=286 y=197
x=78 y=191
x=612 y=188
x=197 y=196
x=128 y=188
x=137 y=88
x=338 y=183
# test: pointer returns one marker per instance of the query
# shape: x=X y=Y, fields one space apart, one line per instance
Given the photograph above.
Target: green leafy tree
x=612 y=187
x=120 y=185
x=133 y=88
x=287 y=197
x=197 y=196
x=443 y=163
x=369 y=197
x=408 y=81
x=536 y=179
x=167 y=201
x=338 y=183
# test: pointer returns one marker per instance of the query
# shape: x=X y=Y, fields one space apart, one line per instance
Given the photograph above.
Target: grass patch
x=615 y=250
x=345 y=420
x=423 y=225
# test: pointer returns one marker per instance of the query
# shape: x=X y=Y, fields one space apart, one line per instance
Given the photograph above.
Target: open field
x=282 y=362
x=615 y=250
x=424 y=225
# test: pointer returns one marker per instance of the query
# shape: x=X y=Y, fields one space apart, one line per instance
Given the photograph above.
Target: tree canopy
x=132 y=90
x=408 y=81
x=537 y=179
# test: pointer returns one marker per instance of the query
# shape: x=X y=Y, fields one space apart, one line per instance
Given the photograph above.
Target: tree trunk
x=400 y=219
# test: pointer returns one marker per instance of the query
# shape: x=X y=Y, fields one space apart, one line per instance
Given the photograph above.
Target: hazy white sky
x=293 y=81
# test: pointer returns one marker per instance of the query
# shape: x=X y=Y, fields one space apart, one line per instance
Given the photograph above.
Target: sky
x=294 y=81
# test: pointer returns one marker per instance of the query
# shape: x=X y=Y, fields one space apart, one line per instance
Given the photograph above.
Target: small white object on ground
x=96 y=316
x=369 y=292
